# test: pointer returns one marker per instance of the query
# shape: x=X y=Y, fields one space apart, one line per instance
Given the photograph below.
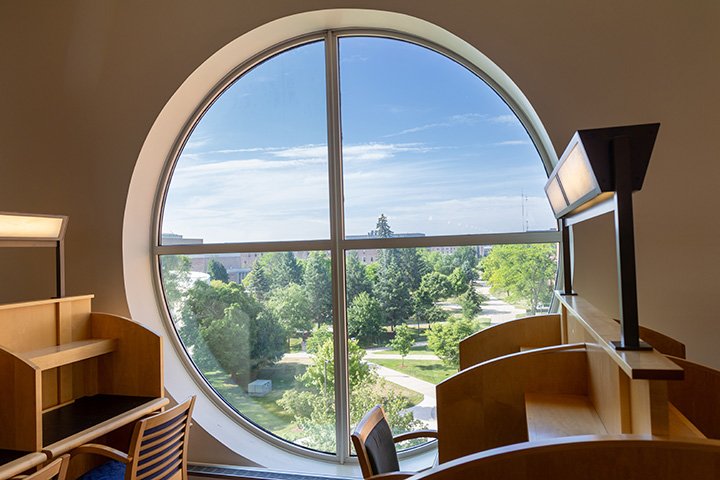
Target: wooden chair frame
x=148 y=444
x=57 y=468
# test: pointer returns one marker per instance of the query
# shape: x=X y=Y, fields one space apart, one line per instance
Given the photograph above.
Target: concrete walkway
x=497 y=310
x=424 y=411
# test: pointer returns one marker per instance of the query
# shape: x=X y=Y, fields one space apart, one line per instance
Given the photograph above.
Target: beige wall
x=82 y=82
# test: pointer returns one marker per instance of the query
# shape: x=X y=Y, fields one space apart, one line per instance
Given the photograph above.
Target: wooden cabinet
x=68 y=374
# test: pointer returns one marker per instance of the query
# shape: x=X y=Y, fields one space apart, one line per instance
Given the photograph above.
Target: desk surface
x=91 y=417
x=556 y=415
x=14 y=463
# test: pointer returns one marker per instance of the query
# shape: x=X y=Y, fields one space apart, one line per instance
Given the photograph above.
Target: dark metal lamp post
x=597 y=174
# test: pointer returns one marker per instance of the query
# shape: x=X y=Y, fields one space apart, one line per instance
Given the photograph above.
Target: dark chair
x=375 y=445
x=158 y=449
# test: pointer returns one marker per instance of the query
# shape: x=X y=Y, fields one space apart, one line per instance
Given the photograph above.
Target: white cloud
x=459 y=119
x=508 y=119
x=510 y=143
x=282 y=194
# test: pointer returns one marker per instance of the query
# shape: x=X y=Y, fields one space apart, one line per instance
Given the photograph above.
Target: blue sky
x=425 y=142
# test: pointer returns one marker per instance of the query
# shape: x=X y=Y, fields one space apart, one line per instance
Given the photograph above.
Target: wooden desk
x=14 y=463
x=92 y=417
x=558 y=415
x=71 y=375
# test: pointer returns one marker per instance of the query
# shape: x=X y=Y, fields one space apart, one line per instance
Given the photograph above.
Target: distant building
x=239 y=265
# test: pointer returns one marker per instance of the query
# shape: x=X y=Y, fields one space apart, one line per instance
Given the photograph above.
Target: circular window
x=339 y=215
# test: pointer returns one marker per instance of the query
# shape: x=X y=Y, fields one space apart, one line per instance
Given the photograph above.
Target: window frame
x=337 y=244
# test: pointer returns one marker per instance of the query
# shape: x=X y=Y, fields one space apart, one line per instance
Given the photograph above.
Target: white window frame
x=158 y=139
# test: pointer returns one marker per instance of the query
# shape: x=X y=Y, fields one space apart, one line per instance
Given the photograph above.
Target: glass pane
x=257 y=327
x=255 y=166
x=409 y=308
x=432 y=146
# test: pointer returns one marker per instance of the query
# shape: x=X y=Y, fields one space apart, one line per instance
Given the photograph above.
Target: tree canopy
x=224 y=326
x=523 y=273
x=217 y=271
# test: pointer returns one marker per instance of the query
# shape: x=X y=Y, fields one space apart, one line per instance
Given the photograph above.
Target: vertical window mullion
x=337 y=232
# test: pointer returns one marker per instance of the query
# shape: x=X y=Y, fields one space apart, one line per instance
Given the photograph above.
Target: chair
x=55 y=469
x=158 y=449
x=375 y=445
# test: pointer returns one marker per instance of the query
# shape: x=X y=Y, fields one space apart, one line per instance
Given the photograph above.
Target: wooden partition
x=583 y=386
x=589 y=458
x=72 y=374
x=510 y=337
x=483 y=407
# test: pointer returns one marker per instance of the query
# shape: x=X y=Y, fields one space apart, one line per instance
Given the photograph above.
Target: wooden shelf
x=556 y=415
x=57 y=356
x=596 y=327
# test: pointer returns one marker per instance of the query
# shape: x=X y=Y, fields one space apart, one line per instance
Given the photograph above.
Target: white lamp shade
x=576 y=176
x=21 y=226
x=555 y=195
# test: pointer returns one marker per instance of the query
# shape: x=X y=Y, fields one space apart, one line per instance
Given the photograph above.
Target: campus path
x=497 y=310
x=425 y=410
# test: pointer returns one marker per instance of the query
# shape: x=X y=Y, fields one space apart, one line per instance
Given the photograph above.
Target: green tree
x=398 y=272
x=444 y=339
x=281 y=269
x=175 y=274
x=318 y=339
x=290 y=305
x=392 y=290
x=470 y=302
x=458 y=281
x=466 y=259
x=318 y=286
x=257 y=282
x=224 y=327
x=217 y=271
x=382 y=229
x=356 y=277
x=434 y=286
x=313 y=406
x=365 y=319
x=403 y=341
x=524 y=273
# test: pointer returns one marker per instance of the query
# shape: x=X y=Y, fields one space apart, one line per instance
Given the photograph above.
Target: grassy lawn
x=261 y=410
x=433 y=371
x=265 y=411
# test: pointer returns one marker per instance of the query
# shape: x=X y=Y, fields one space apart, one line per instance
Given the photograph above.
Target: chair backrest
x=55 y=469
x=374 y=445
x=697 y=396
x=159 y=445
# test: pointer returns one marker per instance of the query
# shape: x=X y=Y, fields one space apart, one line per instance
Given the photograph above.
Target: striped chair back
x=159 y=445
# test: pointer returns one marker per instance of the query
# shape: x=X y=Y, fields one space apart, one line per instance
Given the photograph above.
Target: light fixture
x=32 y=230
x=596 y=174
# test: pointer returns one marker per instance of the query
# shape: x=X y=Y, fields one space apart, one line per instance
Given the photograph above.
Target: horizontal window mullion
x=452 y=240
x=245 y=247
